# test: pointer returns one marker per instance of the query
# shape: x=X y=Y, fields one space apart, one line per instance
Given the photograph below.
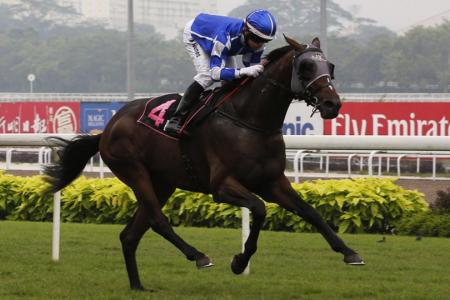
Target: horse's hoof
x=354 y=259
x=140 y=288
x=238 y=264
x=204 y=262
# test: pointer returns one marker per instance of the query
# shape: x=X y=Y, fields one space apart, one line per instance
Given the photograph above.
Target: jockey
x=213 y=42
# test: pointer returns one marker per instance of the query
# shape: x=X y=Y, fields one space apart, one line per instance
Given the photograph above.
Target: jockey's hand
x=252 y=71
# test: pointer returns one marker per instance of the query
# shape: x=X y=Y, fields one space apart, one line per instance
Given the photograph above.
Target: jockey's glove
x=252 y=71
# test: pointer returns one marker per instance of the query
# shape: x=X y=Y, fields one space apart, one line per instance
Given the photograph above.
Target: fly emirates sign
x=394 y=118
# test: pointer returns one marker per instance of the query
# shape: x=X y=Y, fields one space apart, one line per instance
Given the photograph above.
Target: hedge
x=425 y=224
x=348 y=205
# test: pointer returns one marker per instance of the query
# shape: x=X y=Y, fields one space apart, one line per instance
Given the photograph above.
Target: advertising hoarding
x=95 y=115
x=298 y=120
x=391 y=118
x=39 y=117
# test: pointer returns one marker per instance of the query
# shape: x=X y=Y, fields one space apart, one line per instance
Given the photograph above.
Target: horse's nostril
x=328 y=104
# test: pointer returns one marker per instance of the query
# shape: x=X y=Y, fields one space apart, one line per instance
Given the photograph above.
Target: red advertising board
x=393 y=118
x=39 y=117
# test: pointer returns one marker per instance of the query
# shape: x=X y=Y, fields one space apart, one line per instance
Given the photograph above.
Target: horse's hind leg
x=282 y=193
x=132 y=234
x=139 y=181
x=232 y=192
x=130 y=238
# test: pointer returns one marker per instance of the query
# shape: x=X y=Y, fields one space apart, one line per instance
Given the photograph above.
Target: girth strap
x=187 y=163
x=241 y=123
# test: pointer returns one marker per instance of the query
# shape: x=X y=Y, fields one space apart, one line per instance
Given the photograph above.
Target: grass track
x=286 y=266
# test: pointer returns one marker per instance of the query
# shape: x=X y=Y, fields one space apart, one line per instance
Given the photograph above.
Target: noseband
x=310 y=97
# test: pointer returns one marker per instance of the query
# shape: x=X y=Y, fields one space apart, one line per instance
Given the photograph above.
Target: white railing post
x=245 y=232
x=302 y=157
x=399 y=158
x=56 y=225
x=296 y=158
x=349 y=164
x=370 y=162
x=102 y=167
x=434 y=166
x=8 y=158
x=380 y=162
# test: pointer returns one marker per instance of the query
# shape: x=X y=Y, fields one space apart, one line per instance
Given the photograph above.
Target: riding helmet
x=262 y=24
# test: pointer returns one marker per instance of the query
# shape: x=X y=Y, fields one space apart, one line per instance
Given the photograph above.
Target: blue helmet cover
x=262 y=23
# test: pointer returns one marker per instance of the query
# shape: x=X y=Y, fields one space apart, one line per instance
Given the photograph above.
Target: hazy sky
x=394 y=14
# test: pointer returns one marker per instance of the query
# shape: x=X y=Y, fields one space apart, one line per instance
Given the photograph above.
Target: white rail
x=30 y=139
x=353 y=142
x=308 y=142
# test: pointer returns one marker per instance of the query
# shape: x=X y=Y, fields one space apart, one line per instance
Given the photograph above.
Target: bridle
x=307 y=92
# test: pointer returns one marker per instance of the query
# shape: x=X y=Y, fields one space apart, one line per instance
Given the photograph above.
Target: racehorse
x=236 y=154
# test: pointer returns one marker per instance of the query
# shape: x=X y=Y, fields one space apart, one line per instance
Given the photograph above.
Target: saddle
x=159 y=109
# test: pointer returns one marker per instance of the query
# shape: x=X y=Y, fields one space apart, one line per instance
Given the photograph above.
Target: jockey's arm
x=218 y=72
x=219 y=56
x=252 y=58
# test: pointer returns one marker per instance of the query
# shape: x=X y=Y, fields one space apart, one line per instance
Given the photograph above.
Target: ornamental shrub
x=363 y=204
x=442 y=202
x=435 y=222
x=358 y=205
x=8 y=193
x=425 y=224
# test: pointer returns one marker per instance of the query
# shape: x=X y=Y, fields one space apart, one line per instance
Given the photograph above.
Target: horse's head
x=311 y=78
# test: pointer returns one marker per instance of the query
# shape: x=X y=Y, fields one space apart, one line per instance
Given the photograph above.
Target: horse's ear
x=294 y=43
x=316 y=42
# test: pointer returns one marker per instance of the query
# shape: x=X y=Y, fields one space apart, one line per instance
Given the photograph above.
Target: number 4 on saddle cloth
x=158 y=110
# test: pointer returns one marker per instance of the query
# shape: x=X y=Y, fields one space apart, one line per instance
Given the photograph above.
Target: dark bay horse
x=235 y=154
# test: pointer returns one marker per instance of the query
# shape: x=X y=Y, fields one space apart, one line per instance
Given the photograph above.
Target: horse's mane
x=277 y=53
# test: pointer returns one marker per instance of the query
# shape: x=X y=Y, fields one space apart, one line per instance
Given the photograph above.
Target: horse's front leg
x=281 y=192
x=232 y=192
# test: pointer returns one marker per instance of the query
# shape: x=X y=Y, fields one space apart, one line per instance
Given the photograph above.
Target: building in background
x=75 y=4
x=167 y=16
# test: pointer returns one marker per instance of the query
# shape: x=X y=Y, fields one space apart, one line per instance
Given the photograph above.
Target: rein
x=236 y=120
x=309 y=96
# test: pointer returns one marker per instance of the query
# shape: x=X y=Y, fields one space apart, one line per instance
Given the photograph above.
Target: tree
x=43 y=12
x=297 y=18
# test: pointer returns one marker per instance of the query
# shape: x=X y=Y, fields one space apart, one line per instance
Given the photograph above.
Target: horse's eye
x=307 y=69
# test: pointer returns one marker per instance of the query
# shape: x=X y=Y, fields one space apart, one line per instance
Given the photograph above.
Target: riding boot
x=192 y=94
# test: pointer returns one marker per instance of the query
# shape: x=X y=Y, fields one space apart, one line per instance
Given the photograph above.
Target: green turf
x=286 y=266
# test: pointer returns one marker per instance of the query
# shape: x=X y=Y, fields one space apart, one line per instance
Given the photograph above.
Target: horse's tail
x=73 y=157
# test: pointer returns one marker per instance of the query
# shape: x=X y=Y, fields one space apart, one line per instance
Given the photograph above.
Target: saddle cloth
x=158 y=110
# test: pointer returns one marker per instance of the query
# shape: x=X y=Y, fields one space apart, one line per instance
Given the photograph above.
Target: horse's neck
x=265 y=104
